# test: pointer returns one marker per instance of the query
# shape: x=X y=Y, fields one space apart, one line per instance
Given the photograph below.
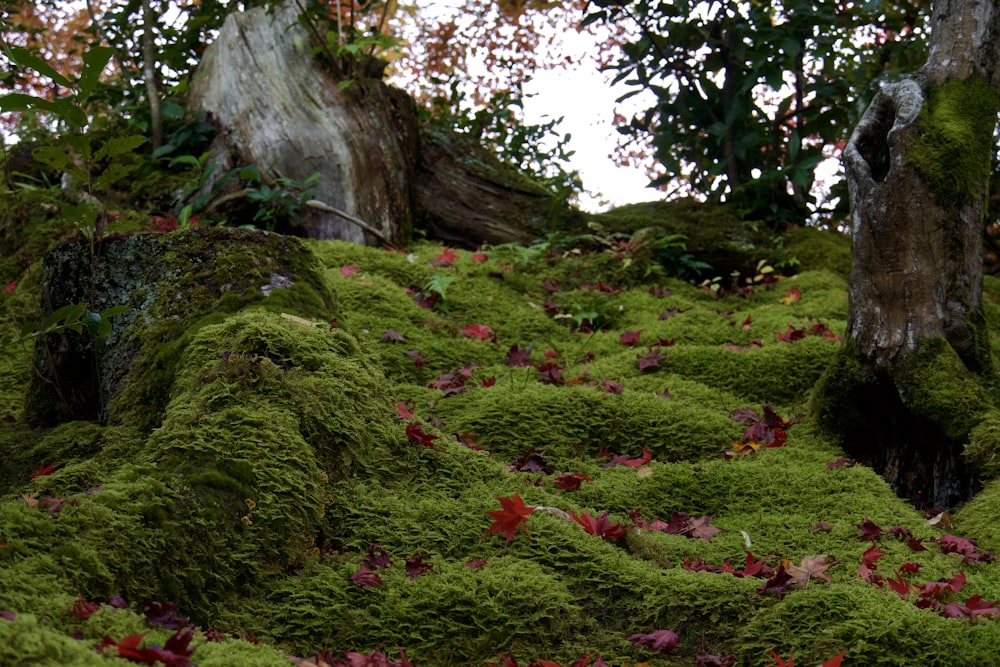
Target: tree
x=750 y=96
x=912 y=395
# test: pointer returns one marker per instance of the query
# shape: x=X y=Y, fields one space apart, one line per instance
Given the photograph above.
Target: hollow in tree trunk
x=908 y=395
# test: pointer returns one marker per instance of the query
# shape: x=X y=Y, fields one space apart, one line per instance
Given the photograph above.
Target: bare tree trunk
x=907 y=396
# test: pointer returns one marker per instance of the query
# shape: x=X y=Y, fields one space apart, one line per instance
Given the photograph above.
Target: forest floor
x=509 y=456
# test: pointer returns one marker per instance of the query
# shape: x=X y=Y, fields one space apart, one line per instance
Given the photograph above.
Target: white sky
x=586 y=102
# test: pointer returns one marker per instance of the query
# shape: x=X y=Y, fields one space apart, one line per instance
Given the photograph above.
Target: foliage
x=750 y=98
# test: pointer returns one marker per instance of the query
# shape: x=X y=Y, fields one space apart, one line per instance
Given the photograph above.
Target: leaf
x=94 y=62
x=390 y=335
x=480 y=331
x=612 y=387
x=44 y=470
x=650 y=361
x=116 y=146
x=25 y=58
x=600 y=526
x=164 y=614
x=349 y=270
x=664 y=641
x=870 y=531
x=512 y=517
x=415 y=566
x=365 y=578
x=446 y=258
x=571 y=481
x=84 y=609
x=699 y=529
x=811 y=567
x=518 y=356
x=778 y=582
x=416 y=432
x=974 y=606
x=63 y=108
x=791 y=296
x=377 y=557
x=782 y=663
x=404 y=412
x=630 y=338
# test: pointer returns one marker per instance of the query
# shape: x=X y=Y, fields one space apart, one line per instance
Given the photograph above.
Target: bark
x=909 y=391
x=278 y=107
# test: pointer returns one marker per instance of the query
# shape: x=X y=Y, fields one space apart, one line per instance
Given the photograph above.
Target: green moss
x=954 y=149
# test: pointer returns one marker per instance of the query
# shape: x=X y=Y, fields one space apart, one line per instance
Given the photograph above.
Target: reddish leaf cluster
x=478 y=331
x=663 y=641
x=600 y=526
x=767 y=430
x=625 y=459
x=176 y=653
x=454 y=382
x=416 y=432
x=681 y=523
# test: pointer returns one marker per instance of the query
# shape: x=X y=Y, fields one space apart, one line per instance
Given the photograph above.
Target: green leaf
x=165 y=149
x=112 y=174
x=70 y=313
x=63 y=108
x=55 y=157
x=94 y=62
x=114 y=311
x=25 y=58
x=118 y=145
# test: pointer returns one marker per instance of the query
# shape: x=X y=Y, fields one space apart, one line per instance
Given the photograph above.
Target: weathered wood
x=279 y=108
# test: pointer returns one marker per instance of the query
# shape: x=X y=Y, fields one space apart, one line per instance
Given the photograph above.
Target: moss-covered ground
x=308 y=488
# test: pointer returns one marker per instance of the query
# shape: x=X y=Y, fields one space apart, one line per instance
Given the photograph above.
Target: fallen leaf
x=571 y=481
x=600 y=526
x=349 y=270
x=377 y=557
x=365 y=578
x=480 y=331
x=811 y=567
x=870 y=531
x=44 y=470
x=664 y=641
x=650 y=361
x=416 y=432
x=415 y=566
x=403 y=410
x=630 y=338
x=791 y=296
x=392 y=336
x=509 y=519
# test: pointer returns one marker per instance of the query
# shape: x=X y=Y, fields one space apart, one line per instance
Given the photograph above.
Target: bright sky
x=586 y=102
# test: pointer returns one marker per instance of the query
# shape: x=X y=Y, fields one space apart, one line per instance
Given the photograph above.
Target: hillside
x=336 y=464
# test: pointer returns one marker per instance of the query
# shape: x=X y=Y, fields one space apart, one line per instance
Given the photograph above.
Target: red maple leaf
x=44 y=470
x=415 y=566
x=418 y=359
x=83 y=609
x=479 y=256
x=349 y=270
x=11 y=286
x=513 y=516
x=480 y=331
x=782 y=663
x=377 y=557
x=870 y=531
x=518 y=356
x=650 y=360
x=699 y=528
x=571 y=481
x=403 y=410
x=416 y=432
x=630 y=337
x=974 y=606
x=612 y=387
x=779 y=582
x=445 y=258
x=792 y=334
x=600 y=526
x=658 y=640
x=791 y=296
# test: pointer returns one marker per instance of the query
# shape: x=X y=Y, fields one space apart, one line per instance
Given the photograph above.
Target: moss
x=953 y=151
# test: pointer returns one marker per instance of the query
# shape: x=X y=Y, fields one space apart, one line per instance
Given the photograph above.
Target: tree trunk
x=277 y=107
x=908 y=393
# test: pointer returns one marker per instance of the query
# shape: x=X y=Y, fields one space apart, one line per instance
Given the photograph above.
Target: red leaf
x=404 y=412
x=415 y=566
x=701 y=530
x=513 y=516
x=44 y=470
x=792 y=334
x=870 y=531
x=782 y=663
x=822 y=525
x=550 y=353
x=478 y=257
x=377 y=557
x=365 y=578
x=571 y=481
x=974 y=606
x=658 y=640
x=612 y=387
x=650 y=360
x=600 y=526
x=418 y=359
x=848 y=463
x=480 y=331
x=630 y=337
x=518 y=356
x=349 y=270
x=779 y=582
x=11 y=286
x=445 y=258
x=83 y=609
x=416 y=432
